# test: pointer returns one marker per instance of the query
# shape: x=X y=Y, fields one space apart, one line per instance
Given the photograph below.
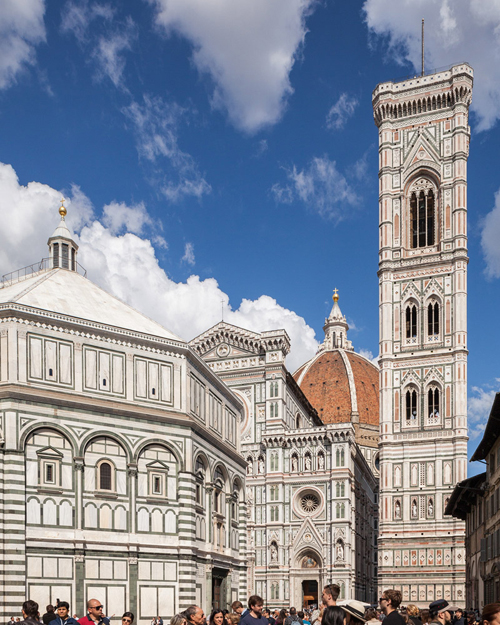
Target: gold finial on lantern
x=335 y=295
x=62 y=209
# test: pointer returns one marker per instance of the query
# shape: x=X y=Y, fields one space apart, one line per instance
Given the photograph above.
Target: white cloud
x=188 y=254
x=119 y=217
x=462 y=30
x=320 y=186
x=155 y=124
x=21 y=30
x=126 y=265
x=368 y=354
x=490 y=238
x=341 y=111
x=247 y=47
x=479 y=406
x=106 y=42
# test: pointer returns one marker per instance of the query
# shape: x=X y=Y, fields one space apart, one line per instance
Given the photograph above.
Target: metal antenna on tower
x=423 y=67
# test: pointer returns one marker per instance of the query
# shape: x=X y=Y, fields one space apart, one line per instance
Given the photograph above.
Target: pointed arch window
x=433 y=405
x=411 y=321
x=411 y=405
x=422 y=215
x=433 y=319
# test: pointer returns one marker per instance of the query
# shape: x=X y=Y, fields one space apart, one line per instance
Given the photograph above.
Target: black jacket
x=394 y=618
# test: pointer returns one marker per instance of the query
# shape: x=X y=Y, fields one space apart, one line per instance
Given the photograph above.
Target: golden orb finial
x=62 y=209
x=335 y=295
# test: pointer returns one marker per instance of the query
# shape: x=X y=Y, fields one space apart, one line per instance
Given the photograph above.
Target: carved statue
x=250 y=469
x=295 y=464
x=397 y=510
x=430 y=508
x=414 y=510
x=321 y=461
x=274 y=553
x=340 y=551
x=261 y=466
x=308 y=463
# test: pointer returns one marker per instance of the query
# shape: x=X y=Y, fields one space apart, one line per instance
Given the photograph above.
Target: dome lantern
x=336 y=327
x=62 y=248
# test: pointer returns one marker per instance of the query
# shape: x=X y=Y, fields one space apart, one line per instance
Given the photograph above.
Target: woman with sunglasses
x=127 y=618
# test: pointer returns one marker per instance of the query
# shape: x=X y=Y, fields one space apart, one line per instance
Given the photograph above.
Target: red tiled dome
x=339 y=383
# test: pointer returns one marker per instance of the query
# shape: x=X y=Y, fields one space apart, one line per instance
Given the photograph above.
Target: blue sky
x=221 y=156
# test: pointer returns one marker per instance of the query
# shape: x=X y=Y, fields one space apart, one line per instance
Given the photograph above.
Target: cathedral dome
x=343 y=386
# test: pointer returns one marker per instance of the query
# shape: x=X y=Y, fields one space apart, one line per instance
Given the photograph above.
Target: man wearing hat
x=439 y=612
x=355 y=612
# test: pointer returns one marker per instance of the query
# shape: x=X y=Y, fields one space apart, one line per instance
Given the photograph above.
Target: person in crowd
x=30 y=613
x=281 y=618
x=216 y=617
x=232 y=618
x=333 y=615
x=178 y=619
x=414 y=614
x=355 y=612
x=63 y=617
x=371 y=616
x=12 y=621
x=439 y=612
x=49 y=615
x=389 y=604
x=293 y=617
x=254 y=615
x=128 y=618
x=302 y=616
x=237 y=607
x=195 y=615
x=267 y=614
x=95 y=614
x=330 y=594
x=458 y=618
x=491 y=614
x=425 y=616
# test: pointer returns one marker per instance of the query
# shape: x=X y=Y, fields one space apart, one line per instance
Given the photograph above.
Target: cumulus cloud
x=341 y=111
x=155 y=124
x=479 y=406
x=462 y=30
x=248 y=48
x=188 y=254
x=490 y=237
x=368 y=354
x=126 y=265
x=106 y=41
x=320 y=186
x=21 y=30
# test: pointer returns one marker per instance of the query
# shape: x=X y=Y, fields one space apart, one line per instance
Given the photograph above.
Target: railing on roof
x=414 y=76
x=33 y=270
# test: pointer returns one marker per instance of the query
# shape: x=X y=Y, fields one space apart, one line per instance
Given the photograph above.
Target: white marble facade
x=423 y=150
x=121 y=472
x=311 y=495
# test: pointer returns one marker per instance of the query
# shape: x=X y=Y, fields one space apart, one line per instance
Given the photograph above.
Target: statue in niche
x=397 y=509
x=340 y=551
x=295 y=463
x=261 y=465
x=414 y=509
x=274 y=553
x=430 y=508
x=321 y=461
x=250 y=468
x=308 y=463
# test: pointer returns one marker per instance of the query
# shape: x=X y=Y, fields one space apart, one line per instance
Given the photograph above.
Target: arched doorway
x=309 y=567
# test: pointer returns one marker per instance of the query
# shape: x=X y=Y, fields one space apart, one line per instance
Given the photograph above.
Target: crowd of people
x=389 y=611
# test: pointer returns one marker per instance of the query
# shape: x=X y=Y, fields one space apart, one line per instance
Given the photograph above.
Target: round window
x=309 y=502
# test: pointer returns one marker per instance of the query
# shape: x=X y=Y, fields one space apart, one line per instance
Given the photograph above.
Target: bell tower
x=423 y=150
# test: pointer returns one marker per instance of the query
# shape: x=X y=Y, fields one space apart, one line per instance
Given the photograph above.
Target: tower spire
x=62 y=247
x=336 y=327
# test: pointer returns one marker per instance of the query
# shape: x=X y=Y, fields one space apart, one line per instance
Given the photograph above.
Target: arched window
x=411 y=405
x=422 y=214
x=105 y=476
x=433 y=404
x=411 y=321
x=433 y=319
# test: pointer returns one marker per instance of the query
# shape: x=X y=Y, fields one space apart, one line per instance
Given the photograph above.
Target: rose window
x=309 y=503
